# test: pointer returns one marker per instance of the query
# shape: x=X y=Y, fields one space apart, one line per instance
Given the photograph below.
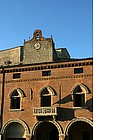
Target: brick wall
x=62 y=80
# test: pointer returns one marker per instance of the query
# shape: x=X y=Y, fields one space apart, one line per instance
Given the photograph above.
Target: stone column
x=28 y=136
x=62 y=137
x=0 y=137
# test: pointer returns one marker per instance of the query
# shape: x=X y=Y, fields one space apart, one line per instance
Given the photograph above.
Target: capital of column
x=61 y=137
x=28 y=136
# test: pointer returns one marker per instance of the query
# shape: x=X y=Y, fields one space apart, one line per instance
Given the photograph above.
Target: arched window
x=15 y=98
x=46 y=96
x=79 y=95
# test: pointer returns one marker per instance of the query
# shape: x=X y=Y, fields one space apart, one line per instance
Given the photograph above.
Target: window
x=79 y=95
x=78 y=70
x=79 y=100
x=45 y=98
x=16 y=75
x=46 y=73
x=15 y=100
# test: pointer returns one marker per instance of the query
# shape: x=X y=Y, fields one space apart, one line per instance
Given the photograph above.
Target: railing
x=45 y=111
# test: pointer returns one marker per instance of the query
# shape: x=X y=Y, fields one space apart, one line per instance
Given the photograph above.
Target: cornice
x=46 y=66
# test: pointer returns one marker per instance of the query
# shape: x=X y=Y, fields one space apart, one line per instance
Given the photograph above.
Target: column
x=28 y=136
x=62 y=137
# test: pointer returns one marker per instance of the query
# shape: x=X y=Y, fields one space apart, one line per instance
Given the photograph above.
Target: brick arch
x=60 y=130
x=76 y=120
x=4 y=128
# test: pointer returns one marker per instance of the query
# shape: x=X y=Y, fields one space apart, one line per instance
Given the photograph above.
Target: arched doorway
x=79 y=129
x=15 y=131
x=47 y=131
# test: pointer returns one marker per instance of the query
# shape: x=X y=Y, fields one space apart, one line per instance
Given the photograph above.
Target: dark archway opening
x=53 y=134
x=47 y=131
x=86 y=135
x=15 y=131
x=80 y=131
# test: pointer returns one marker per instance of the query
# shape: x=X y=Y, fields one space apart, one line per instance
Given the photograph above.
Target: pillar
x=62 y=137
x=28 y=136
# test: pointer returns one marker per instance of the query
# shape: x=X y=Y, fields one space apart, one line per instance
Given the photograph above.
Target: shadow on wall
x=89 y=104
x=65 y=114
x=65 y=100
x=68 y=113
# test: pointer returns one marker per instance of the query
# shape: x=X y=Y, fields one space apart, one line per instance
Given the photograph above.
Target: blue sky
x=68 y=21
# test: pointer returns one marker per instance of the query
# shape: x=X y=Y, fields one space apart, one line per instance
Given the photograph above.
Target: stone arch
x=20 y=92
x=4 y=128
x=60 y=130
x=83 y=87
x=49 y=89
x=76 y=120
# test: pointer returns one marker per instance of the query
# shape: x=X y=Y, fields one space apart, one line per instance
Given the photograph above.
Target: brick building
x=45 y=94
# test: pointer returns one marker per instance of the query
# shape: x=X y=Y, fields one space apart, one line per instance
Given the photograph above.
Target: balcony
x=45 y=111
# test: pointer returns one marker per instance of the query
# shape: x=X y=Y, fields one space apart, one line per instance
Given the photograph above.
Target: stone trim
x=49 y=78
x=81 y=85
x=49 y=88
x=27 y=130
x=20 y=92
x=58 y=126
x=75 y=120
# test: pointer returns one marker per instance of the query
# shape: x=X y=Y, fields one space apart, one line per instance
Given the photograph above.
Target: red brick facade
x=62 y=83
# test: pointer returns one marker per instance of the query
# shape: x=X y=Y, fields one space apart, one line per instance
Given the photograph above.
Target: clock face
x=37 y=46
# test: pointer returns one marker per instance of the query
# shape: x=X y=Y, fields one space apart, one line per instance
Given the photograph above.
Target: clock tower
x=39 y=49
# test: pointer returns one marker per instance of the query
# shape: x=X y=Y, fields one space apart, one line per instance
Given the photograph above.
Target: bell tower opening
x=37 y=34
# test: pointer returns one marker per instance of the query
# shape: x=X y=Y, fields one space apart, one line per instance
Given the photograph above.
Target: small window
x=16 y=75
x=78 y=70
x=46 y=73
